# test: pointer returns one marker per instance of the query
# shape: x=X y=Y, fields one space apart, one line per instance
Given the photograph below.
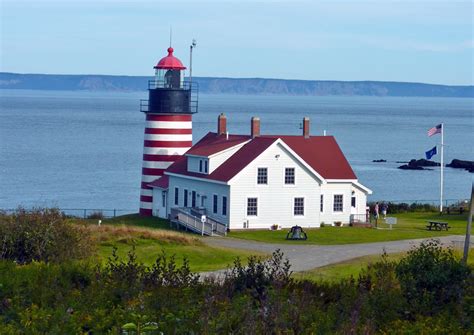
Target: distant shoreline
x=248 y=86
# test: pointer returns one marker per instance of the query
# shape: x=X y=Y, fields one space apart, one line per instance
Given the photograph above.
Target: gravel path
x=307 y=257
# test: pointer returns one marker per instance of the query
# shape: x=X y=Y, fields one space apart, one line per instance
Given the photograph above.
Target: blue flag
x=430 y=153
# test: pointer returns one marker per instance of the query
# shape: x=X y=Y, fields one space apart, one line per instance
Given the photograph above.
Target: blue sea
x=84 y=149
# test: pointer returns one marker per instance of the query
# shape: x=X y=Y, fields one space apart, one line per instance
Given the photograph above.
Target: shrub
x=394 y=208
x=431 y=276
x=259 y=274
x=41 y=235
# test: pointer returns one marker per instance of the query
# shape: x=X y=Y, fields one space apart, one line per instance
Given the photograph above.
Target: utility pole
x=468 y=228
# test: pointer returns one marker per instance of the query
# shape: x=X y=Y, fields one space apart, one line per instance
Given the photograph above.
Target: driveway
x=307 y=257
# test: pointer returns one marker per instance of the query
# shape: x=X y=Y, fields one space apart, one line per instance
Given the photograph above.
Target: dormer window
x=205 y=166
x=200 y=165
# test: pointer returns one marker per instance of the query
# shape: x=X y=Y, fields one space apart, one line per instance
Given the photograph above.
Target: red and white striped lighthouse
x=168 y=129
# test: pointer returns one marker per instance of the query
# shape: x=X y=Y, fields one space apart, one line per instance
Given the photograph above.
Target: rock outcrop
x=459 y=164
x=419 y=164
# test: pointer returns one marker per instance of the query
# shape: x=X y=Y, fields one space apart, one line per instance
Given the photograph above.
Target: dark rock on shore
x=379 y=161
x=459 y=164
x=418 y=164
x=408 y=167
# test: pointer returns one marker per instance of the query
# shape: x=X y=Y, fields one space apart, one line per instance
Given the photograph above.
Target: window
x=163 y=199
x=193 y=199
x=321 y=203
x=290 y=176
x=224 y=206
x=353 y=201
x=214 y=204
x=176 y=196
x=200 y=165
x=298 y=208
x=252 y=207
x=337 y=206
x=205 y=166
x=262 y=176
x=185 y=198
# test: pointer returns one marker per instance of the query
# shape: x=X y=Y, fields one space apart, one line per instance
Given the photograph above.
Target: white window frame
x=262 y=184
x=294 y=207
x=321 y=203
x=247 y=207
x=200 y=165
x=206 y=166
x=294 y=176
x=355 y=201
x=334 y=203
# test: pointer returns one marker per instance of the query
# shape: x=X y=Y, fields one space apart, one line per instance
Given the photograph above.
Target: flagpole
x=441 y=171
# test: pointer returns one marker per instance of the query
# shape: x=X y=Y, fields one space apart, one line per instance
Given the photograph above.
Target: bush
x=96 y=215
x=394 y=208
x=41 y=235
x=431 y=277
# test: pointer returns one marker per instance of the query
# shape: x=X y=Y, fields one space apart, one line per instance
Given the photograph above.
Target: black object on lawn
x=296 y=233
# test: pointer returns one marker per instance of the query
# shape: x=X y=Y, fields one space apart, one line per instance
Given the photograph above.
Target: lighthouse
x=168 y=129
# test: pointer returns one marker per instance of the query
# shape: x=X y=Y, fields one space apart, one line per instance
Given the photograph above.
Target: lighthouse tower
x=168 y=129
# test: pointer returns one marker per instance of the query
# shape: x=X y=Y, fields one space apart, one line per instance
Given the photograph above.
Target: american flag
x=435 y=130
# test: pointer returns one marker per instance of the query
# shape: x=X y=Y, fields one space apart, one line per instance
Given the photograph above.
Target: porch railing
x=190 y=220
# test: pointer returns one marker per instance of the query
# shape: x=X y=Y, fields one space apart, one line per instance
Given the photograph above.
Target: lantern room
x=169 y=72
x=169 y=92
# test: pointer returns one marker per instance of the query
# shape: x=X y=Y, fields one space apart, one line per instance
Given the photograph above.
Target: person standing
x=384 y=210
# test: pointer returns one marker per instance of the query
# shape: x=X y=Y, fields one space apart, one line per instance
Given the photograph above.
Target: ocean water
x=84 y=149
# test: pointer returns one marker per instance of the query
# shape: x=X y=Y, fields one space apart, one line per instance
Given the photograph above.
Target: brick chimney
x=221 y=124
x=306 y=127
x=255 y=126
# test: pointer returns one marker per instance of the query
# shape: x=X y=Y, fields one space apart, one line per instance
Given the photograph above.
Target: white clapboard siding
x=275 y=200
x=204 y=190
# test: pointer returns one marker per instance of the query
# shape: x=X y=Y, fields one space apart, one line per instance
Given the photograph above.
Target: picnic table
x=437 y=225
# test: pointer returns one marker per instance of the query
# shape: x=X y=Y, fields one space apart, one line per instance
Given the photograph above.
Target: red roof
x=162 y=182
x=213 y=143
x=322 y=153
x=230 y=167
x=170 y=62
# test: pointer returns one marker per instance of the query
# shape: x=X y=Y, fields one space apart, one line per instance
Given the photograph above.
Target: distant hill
x=257 y=86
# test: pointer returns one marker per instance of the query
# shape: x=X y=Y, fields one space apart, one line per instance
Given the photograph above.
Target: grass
x=409 y=226
x=150 y=243
x=139 y=221
x=343 y=270
x=353 y=267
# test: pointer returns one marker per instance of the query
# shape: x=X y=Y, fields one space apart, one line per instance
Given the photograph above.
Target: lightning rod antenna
x=171 y=35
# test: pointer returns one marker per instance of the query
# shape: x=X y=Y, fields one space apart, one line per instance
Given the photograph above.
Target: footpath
x=307 y=257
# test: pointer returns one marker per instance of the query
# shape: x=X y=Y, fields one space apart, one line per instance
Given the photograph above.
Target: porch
x=197 y=221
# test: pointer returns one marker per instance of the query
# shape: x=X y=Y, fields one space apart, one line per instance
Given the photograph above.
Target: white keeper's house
x=259 y=181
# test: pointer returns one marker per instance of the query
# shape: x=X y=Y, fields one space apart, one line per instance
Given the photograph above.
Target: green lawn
x=355 y=266
x=150 y=243
x=410 y=226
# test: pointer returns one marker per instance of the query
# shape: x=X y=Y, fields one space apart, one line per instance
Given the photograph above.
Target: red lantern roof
x=170 y=62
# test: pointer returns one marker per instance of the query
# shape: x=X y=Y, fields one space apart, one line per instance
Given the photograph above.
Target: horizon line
x=246 y=78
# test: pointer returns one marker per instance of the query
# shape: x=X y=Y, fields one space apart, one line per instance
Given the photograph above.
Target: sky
x=404 y=40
